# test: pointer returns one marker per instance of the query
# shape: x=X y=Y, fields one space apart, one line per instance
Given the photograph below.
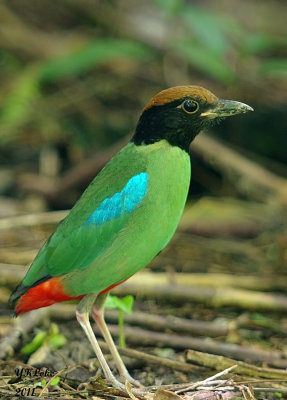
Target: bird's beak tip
x=227 y=108
x=247 y=107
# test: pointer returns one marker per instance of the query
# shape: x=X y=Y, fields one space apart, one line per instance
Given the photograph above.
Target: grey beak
x=226 y=108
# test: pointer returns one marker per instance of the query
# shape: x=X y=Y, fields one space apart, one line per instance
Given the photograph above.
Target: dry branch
x=219 y=362
x=138 y=336
x=18 y=35
x=151 y=321
x=78 y=176
x=212 y=280
x=30 y=220
x=155 y=286
x=19 y=328
x=157 y=322
x=151 y=359
x=11 y=275
x=249 y=177
x=215 y=297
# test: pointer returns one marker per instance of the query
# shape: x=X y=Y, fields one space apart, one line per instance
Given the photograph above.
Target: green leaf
x=54 y=329
x=9 y=62
x=55 y=381
x=259 y=317
x=53 y=338
x=273 y=68
x=92 y=54
x=16 y=108
x=170 y=7
x=266 y=322
x=255 y=43
x=43 y=382
x=57 y=341
x=35 y=344
x=207 y=62
x=231 y=27
x=207 y=29
x=39 y=384
x=125 y=304
x=278 y=394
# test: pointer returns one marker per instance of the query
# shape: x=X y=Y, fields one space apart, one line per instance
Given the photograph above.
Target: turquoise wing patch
x=121 y=202
x=76 y=247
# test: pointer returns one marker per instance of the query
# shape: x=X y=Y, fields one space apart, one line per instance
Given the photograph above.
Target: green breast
x=149 y=228
x=169 y=173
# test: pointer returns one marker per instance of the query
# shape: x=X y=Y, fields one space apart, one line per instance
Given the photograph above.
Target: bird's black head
x=178 y=114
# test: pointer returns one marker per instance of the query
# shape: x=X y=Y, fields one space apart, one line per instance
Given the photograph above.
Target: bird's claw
x=132 y=381
x=127 y=388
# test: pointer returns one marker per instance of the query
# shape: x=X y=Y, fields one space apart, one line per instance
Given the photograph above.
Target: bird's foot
x=139 y=390
x=127 y=377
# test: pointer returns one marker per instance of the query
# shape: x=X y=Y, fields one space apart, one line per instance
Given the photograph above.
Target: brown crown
x=179 y=92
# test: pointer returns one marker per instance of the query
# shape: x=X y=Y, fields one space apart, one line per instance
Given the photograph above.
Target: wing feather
x=95 y=220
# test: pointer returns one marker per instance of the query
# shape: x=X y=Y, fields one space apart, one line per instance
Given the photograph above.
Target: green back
x=91 y=258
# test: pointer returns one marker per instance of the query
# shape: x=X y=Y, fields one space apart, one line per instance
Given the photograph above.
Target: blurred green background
x=74 y=76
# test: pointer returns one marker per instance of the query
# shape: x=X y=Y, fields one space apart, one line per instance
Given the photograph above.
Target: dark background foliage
x=74 y=76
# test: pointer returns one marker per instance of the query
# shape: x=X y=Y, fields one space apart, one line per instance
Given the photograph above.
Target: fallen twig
x=138 y=336
x=244 y=368
x=207 y=380
x=20 y=327
x=77 y=176
x=212 y=280
x=151 y=359
x=248 y=177
x=153 y=285
x=158 y=323
x=215 y=297
x=28 y=220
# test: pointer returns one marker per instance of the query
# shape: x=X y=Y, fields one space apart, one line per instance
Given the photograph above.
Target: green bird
x=126 y=216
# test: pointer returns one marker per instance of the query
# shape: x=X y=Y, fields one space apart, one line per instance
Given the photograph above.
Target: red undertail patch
x=43 y=295
x=46 y=294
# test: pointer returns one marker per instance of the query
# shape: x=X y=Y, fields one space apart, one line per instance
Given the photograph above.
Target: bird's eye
x=190 y=106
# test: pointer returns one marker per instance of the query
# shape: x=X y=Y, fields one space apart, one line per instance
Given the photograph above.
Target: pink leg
x=82 y=314
x=98 y=315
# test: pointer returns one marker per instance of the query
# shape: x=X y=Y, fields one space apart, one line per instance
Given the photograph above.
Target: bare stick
x=19 y=327
x=79 y=175
x=149 y=285
x=211 y=280
x=32 y=220
x=151 y=359
x=157 y=322
x=243 y=368
x=215 y=297
x=138 y=336
x=249 y=177
x=207 y=380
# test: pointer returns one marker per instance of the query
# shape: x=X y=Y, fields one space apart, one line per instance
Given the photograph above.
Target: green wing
x=75 y=244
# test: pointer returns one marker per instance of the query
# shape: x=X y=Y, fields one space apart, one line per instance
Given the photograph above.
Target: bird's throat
x=151 y=129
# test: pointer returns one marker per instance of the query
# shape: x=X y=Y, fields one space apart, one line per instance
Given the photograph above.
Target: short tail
x=43 y=293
